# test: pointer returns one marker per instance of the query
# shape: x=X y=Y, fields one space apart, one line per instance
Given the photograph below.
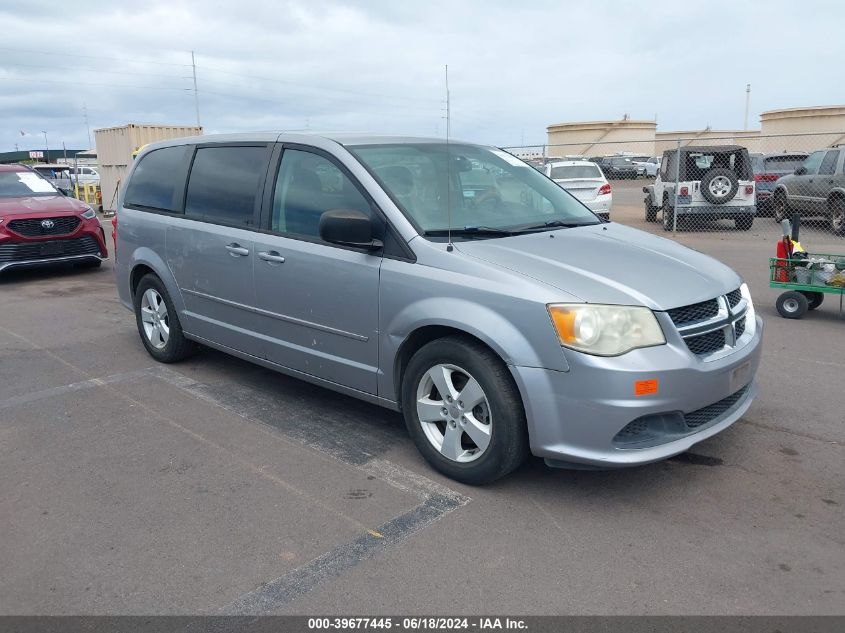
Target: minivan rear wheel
x=158 y=323
x=463 y=411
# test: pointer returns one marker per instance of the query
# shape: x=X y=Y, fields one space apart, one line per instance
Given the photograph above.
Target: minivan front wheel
x=158 y=324
x=463 y=411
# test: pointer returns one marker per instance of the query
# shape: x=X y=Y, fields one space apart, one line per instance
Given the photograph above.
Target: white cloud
x=514 y=67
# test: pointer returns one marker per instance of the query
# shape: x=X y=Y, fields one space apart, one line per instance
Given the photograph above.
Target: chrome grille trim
x=730 y=318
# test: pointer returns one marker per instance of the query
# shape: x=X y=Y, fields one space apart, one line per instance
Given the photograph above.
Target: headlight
x=89 y=214
x=750 y=315
x=605 y=330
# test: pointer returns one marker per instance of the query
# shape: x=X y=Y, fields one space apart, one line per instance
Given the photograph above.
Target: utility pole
x=747 y=101
x=196 y=96
x=87 y=127
x=46 y=146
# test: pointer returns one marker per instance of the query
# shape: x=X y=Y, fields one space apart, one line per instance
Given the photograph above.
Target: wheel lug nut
x=448 y=398
x=461 y=404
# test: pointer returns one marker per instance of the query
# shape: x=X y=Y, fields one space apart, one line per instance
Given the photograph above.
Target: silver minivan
x=449 y=281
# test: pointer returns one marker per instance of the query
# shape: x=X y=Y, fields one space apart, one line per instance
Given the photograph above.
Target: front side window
x=223 y=185
x=468 y=187
x=811 y=165
x=307 y=186
x=828 y=165
x=156 y=180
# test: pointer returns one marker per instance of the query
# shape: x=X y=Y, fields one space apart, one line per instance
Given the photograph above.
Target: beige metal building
x=597 y=138
x=789 y=129
x=114 y=151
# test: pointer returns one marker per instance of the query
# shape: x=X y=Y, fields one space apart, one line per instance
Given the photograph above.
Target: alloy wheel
x=154 y=318
x=454 y=413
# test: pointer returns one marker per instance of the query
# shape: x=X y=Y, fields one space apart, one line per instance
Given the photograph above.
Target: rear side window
x=828 y=165
x=223 y=185
x=158 y=180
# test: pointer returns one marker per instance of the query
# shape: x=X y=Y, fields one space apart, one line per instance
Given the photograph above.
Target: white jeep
x=712 y=183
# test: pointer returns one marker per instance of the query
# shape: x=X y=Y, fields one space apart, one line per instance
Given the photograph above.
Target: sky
x=379 y=65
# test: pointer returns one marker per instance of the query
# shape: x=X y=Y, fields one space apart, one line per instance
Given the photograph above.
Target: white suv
x=712 y=182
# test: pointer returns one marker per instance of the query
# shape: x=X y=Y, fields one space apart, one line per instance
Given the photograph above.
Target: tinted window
x=562 y=172
x=811 y=165
x=223 y=184
x=156 y=181
x=787 y=163
x=828 y=165
x=308 y=185
x=16 y=184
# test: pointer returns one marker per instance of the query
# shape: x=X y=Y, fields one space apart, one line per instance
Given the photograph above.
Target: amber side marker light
x=646 y=387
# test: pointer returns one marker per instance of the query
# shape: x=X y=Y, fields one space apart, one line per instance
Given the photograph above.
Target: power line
x=88 y=83
x=96 y=70
x=114 y=59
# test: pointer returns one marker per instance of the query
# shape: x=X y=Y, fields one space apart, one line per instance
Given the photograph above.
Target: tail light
x=765 y=177
x=604 y=189
x=684 y=191
x=749 y=189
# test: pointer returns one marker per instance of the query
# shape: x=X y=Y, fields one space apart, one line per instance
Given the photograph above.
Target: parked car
x=500 y=322
x=39 y=225
x=816 y=189
x=617 y=167
x=585 y=181
x=650 y=165
x=767 y=169
x=84 y=174
x=714 y=182
x=59 y=175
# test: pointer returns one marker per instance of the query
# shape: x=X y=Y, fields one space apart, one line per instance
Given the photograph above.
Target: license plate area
x=52 y=248
x=740 y=376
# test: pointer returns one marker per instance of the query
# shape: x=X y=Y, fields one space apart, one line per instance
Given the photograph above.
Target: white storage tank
x=115 y=146
x=601 y=138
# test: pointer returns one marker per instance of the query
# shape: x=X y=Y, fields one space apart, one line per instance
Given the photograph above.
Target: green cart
x=805 y=287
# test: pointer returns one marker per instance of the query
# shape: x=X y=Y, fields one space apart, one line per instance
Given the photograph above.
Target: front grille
x=734 y=298
x=660 y=428
x=711 y=412
x=706 y=343
x=33 y=228
x=740 y=327
x=28 y=251
x=695 y=312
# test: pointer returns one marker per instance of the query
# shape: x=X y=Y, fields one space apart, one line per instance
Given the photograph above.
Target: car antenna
x=449 y=246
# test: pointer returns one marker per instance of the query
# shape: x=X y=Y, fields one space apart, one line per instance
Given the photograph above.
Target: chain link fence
x=744 y=183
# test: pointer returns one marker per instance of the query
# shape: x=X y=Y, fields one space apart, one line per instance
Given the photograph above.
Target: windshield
x=564 y=172
x=482 y=188
x=17 y=184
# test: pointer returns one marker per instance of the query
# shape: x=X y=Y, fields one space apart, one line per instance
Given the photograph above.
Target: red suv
x=40 y=225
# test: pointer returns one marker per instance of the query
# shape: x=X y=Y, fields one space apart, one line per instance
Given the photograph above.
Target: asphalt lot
x=217 y=486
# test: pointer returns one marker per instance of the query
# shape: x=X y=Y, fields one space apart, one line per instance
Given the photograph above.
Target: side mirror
x=348 y=227
x=800 y=171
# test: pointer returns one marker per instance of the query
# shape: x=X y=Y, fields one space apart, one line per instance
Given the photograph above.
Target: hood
x=610 y=263
x=40 y=205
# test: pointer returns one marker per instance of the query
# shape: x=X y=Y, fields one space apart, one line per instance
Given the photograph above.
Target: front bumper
x=575 y=416
x=717 y=210
x=85 y=244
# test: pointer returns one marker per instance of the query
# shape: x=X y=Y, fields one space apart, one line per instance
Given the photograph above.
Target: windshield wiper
x=470 y=231
x=551 y=224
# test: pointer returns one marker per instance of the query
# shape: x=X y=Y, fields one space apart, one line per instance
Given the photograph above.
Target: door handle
x=271 y=256
x=236 y=250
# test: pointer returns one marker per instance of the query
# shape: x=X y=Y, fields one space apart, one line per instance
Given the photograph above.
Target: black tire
x=650 y=210
x=792 y=305
x=177 y=346
x=780 y=207
x=744 y=222
x=668 y=215
x=837 y=216
x=508 y=443
x=814 y=299
x=89 y=263
x=721 y=174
